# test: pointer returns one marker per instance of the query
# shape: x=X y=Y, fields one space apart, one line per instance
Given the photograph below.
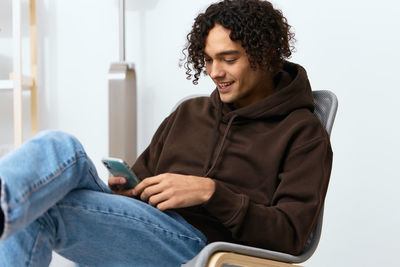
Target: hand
x=171 y=191
x=116 y=185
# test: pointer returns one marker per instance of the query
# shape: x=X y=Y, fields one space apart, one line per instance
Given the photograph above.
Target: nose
x=215 y=70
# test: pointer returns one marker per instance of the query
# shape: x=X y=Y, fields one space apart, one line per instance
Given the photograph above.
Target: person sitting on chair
x=249 y=164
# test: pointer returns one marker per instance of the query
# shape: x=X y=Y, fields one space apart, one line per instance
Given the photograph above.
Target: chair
x=229 y=254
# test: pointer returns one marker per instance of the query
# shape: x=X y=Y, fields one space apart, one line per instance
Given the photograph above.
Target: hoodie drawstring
x=222 y=145
x=214 y=140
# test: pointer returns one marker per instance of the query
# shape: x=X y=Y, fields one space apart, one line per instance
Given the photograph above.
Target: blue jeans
x=53 y=199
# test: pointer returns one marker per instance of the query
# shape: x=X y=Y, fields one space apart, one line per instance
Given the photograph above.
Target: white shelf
x=9 y=84
x=6 y=84
x=17 y=83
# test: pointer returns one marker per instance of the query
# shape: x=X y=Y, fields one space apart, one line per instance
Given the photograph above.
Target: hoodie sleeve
x=287 y=223
x=146 y=163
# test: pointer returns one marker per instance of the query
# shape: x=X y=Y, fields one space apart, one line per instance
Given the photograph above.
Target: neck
x=265 y=89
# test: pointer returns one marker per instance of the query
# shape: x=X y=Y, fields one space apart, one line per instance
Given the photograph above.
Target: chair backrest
x=326 y=104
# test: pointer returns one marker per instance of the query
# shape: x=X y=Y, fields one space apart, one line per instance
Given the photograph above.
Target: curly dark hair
x=263 y=31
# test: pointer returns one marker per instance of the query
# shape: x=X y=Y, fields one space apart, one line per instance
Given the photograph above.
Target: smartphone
x=119 y=168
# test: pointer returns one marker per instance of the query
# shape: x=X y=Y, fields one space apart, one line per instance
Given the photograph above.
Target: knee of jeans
x=60 y=139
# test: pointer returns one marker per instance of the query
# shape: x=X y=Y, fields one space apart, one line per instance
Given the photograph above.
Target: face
x=228 y=66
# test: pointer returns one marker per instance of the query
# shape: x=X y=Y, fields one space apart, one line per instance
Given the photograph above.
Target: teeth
x=222 y=85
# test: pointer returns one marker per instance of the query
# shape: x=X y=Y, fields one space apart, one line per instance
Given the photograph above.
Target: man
x=250 y=164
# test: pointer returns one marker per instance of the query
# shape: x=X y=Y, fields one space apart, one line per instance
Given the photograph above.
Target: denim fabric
x=53 y=199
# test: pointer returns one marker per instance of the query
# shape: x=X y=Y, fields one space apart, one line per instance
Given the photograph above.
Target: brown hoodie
x=271 y=161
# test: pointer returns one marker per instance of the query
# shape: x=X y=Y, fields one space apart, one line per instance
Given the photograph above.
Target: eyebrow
x=225 y=53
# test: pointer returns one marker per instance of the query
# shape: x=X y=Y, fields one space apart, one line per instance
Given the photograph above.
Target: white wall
x=349 y=47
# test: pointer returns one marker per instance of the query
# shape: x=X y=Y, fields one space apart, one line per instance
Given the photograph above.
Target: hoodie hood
x=292 y=91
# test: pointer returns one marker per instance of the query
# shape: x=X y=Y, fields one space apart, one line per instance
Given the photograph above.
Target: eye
x=208 y=60
x=230 y=61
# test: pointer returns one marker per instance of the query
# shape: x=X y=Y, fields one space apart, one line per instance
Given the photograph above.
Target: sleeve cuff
x=227 y=206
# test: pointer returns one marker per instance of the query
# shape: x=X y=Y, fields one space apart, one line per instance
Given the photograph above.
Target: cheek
x=251 y=77
x=208 y=67
x=242 y=73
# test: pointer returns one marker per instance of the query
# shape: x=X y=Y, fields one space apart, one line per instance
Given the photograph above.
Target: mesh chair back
x=326 y=105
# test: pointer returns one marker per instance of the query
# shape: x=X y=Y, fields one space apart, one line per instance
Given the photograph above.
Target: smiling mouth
x=223 y=85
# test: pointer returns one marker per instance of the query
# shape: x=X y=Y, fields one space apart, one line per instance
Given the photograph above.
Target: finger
x=156 y=199
x=116 y=180
x=150 y=191
x=163 y=206
x=116 y=183
x=124 y=192
x=167 y=204
x=149 y=181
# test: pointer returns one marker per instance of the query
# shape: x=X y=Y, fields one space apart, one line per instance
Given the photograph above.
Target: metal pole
x=122 y=30
x=17 y=69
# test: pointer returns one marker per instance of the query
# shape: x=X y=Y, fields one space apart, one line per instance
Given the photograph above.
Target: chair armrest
x=202 y=258
x=204 y=255
x=221 y=259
